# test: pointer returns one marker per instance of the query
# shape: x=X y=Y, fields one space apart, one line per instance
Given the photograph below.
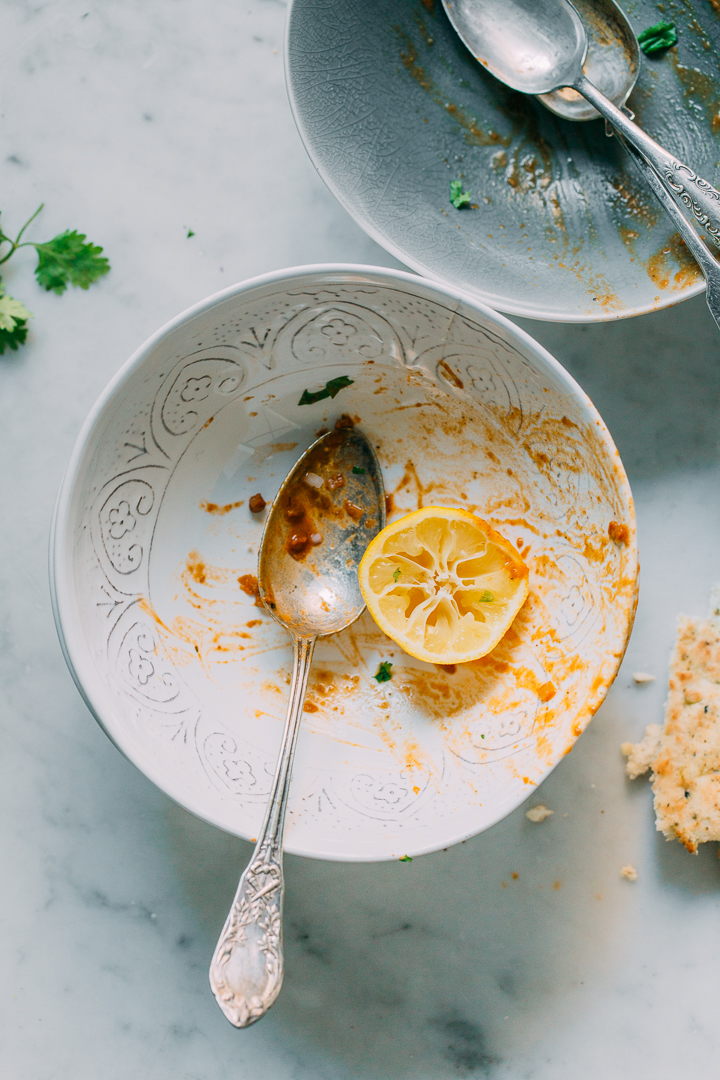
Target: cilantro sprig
x=662 y=35
x=67 y=259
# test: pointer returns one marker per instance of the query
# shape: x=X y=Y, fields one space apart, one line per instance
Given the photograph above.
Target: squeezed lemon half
x=443 y=584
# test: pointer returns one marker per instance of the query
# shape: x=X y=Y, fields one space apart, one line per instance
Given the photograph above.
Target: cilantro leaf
x=658 y=37
x=396 y=573
x=358 y=469
x=189 y=234
x=12 y=339
x=13 y=322
x=68 y=259
x=405 y=858
x=458 y=197
x=487 y=597
x=330 y=390
x=11 y=311
x=384 y=674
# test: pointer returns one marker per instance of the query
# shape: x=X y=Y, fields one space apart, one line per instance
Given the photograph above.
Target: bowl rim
x=63 y=596
x=496 y=303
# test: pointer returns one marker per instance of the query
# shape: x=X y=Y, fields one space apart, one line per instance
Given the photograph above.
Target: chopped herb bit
x=458 y=197
x=406 y=858
x=358 y=470
x=487 y=597
x=331 y=388
x=189 y=234
x=658 y=37
x=384 y=674
x=396 y=573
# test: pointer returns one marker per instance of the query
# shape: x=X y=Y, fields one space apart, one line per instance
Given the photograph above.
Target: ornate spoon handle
x=708 y=264
x=246 y=971
x=685 y=185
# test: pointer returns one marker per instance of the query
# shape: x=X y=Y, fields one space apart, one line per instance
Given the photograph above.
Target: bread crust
x=686 y=769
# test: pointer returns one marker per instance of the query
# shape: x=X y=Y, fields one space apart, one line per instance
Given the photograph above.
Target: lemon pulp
x=443 y=584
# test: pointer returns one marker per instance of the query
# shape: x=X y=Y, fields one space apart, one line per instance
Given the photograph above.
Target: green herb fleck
x=384 y=674
x=396 y=573
x=658 y=37
x=487 y=597
x=358 y=470
x=406 y=858
x=13 y=322
x=330 y=390
x=189 y=234
x=458 y=197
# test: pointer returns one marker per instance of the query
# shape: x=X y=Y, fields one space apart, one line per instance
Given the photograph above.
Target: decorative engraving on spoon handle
x=246 y=971
x=708 y=264
x=684 y=184
x=697 y=195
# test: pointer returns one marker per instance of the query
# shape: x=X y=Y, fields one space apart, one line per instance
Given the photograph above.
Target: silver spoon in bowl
x=539 y=46
x=327 y=511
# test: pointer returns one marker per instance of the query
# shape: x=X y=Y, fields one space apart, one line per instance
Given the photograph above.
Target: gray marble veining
x=135 y=122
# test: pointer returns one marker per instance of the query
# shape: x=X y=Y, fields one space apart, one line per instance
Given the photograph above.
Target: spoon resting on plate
x=328 y=509
x=539 y=46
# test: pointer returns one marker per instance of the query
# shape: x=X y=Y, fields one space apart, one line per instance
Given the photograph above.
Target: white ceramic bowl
x=152 y=531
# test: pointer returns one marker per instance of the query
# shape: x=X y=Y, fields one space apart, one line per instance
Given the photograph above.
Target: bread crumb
x=686 y=780
x=538 y=813
x=640 y=755
x=629 y=872
x=643 y=677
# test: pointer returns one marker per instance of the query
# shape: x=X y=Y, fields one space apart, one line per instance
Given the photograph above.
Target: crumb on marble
x=641 y=677
x=538 y=813
x=628 y=872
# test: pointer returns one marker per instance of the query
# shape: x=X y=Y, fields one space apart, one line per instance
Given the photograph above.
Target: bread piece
x=686 y=780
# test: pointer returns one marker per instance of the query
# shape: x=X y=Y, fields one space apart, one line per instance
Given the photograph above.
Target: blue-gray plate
x=392 y=109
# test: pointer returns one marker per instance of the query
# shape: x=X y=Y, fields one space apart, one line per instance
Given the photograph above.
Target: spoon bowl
x=612 y=62
x=530 y=53
x=316 y=534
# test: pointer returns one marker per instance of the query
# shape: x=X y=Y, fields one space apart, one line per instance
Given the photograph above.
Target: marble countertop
x=519 y=954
